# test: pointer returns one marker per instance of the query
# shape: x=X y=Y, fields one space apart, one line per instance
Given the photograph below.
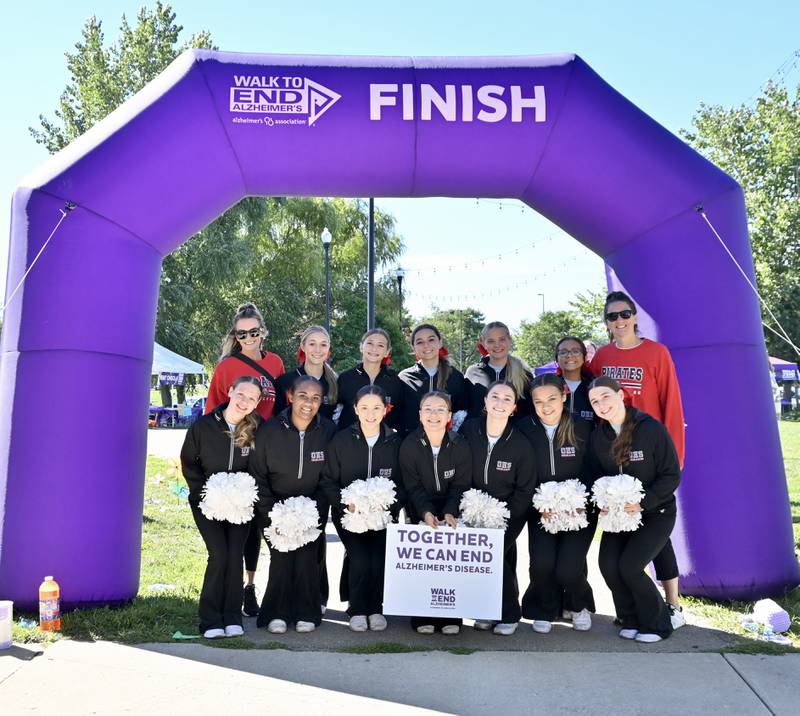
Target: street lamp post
x=400 y=274
x=542 y=295
x=326 y=242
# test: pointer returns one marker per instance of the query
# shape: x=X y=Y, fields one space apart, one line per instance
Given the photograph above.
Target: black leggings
x=557 y=568
x=252 y=547
x=665 y=563
x=623 y=558
x=221 y=595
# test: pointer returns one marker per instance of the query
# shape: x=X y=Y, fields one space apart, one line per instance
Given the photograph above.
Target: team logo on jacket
x=280 y=99
x=637 y=455
x=567 y=451
x=385 y=472
x=318 y=456
x=587 y=414
x=503 y=466
x=447 y=474
x=245 y=451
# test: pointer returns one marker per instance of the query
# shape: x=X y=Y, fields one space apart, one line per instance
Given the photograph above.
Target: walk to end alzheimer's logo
x=279 y=99
x=443 y=598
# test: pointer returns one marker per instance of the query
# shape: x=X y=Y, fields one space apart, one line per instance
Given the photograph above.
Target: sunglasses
x=614 y=315
x=253 y=333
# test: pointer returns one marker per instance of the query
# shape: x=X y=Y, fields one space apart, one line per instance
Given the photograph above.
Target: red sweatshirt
x=232 y=368
x=647 y=375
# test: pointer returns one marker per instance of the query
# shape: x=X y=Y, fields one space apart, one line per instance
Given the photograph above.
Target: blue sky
x=666 y=57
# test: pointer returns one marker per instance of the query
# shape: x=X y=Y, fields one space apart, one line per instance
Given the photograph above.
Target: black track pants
x=221 y=595
x=623 y=558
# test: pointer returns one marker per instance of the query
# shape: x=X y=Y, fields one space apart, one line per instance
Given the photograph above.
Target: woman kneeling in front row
x=557 y=561
x=367 y=448
x=288 y=461
x=437 y=469
x=634 y=443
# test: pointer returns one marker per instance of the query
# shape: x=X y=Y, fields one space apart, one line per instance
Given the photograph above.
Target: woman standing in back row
x=432 y=372
x=646 y=373
x=376 y=348
x=242 y=354
x=498 y=365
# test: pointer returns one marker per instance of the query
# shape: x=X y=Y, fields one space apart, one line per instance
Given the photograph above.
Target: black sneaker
x=250 y=601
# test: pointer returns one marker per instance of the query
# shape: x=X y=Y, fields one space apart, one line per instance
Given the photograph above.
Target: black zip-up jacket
x=480 y=376
x=653 y=459
x=209 y=448
x=578 y=401
x=286 y=464
x=508 y=471
x=350 y=458
x=351 y=381
x=284 y=384
x=552 y=462
x=417 y=383
x=435 y=483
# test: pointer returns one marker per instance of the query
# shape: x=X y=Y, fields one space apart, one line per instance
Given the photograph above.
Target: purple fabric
x=550 y=367
x=177 y=155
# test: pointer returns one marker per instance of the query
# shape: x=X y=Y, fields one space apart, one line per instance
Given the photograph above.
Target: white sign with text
x=443 y=572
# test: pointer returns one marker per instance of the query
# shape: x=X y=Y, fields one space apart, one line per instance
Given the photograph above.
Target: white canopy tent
x=166 y=361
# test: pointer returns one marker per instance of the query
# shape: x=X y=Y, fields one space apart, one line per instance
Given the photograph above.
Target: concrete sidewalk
x=100 y=677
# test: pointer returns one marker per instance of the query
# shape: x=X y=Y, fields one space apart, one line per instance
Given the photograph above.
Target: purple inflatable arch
x=216 y=127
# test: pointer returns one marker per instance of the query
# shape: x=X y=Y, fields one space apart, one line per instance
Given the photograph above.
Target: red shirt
x=229 y=370
x=647 y=375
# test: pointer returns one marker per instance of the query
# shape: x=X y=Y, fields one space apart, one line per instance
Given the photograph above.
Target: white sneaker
x=505 y=629
x=451 y=629
x=426 y=629
x=483 y=624
x=213 y=633
x=628 y=633
x=647 y=638
x=541 y=627
x=566 y=614
x=323 y=608
x=377 y=622
x=582 y=620
x=358 y=623
x=276 y=626
x=304 y=627
x=676 y=616
x=234 y=630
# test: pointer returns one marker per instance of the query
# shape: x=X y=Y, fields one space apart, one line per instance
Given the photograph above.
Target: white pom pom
x=372 y=498
x=612 y=493
x=293 y=524
x=478 y=509
x=458 y=418
x=229 y=497
x=566 y=503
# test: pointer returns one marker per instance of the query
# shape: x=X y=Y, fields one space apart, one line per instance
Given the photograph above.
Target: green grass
x=173 y=554
x=727 y=615
x=382 y=647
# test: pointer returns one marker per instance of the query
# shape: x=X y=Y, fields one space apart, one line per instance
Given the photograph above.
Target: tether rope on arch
x=783 y=335
x=65 y=211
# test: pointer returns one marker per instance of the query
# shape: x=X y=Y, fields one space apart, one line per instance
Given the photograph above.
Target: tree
x=588 y=309
x=535 y=341
x=759 y=146
x=460 y=329
x=263 y=250
x=102 y=78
